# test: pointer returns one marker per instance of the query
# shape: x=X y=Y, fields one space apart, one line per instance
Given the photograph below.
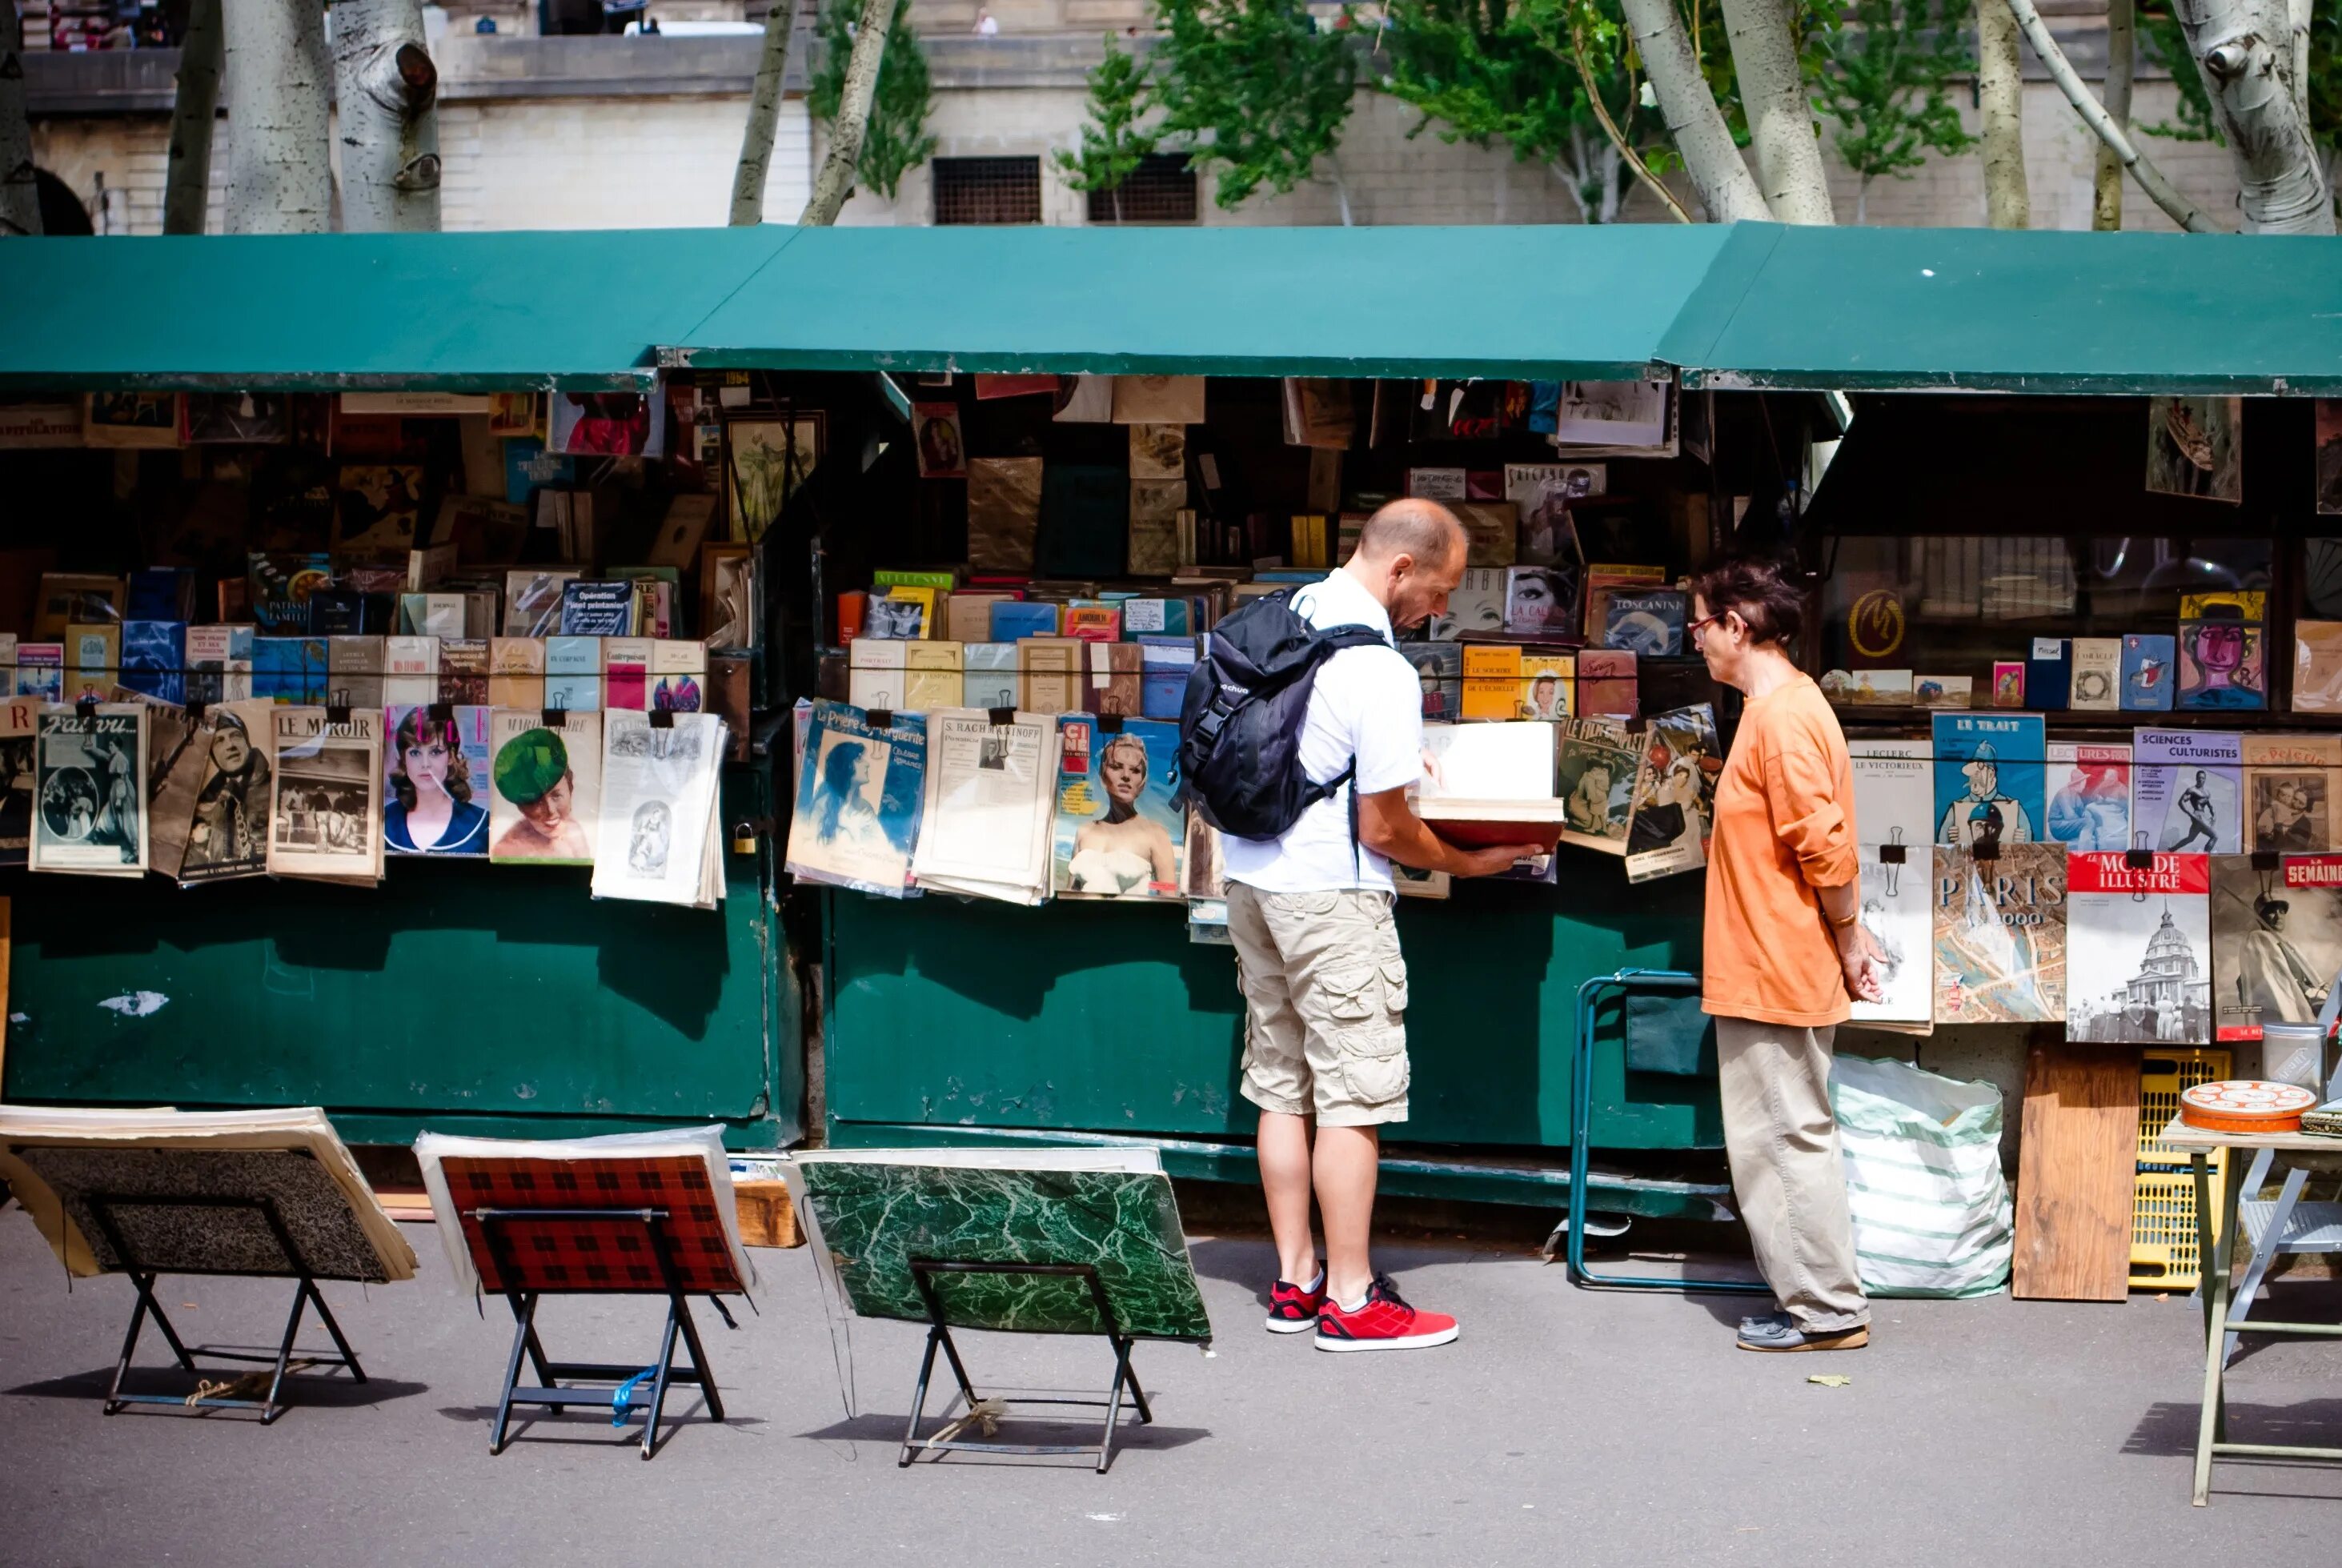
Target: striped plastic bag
x=1932 y=1215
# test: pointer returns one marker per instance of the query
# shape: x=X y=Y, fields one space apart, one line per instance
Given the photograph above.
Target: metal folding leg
x=923 y=1272
x=1581 y=1138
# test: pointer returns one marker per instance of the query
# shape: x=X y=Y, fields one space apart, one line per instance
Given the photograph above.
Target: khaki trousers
x=1786 y=1169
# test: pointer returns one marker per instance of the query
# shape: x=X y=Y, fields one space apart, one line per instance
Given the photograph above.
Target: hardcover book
x=2188 y=791
x=1119 y=828
x=2277 y=940
x=2089 y=796
x=1988 y=779
x=2000 y=935
x=2138 y=949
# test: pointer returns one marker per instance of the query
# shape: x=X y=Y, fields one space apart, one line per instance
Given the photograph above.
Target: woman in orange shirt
x=1784 y=950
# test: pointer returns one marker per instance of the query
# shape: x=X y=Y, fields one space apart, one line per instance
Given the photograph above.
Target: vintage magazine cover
x=1988 y=778
x=325 y=820
x=228 y=834
x=435 y=794
x=2089 y=797
x=20 y=721
x=2138 y=949
x=2277 y=940
x=545 y=786
x=90 y=813
x=659 y=795
x=1599 y=760
x=1893 y=795
x=2290 y=792
x=2000 y=937
x=1118 y=831
x=1674 y=795
x=175 y=745
x=860 y=795
x=2187 y=791
x=990 y=792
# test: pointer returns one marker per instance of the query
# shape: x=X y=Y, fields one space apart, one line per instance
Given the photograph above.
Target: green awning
x=1514 y=302
x=1855 y=309
x=457 y=312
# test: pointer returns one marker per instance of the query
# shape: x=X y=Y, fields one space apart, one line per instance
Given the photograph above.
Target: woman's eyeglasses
x=1702 y=624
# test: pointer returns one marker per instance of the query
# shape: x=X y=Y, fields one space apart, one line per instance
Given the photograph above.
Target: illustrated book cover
x=2138 y=949
x=1119 y=830
x=545 y=786
x=2187 y=791
x=2000 y=935
x=2277 y=940
x=1989 y=771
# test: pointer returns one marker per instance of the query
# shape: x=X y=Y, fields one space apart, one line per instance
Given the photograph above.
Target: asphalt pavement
x=1565 y=1426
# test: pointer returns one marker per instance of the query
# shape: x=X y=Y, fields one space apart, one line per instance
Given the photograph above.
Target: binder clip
x=2139 y=859
x=1001 y=718
x=441 y=713
x=337 y=713
x=1109 y=724
x=85 y=705
x=2265 y=860
x=1891 y=857
x=880 y=718
x=1985 y=850
x=197 y=708
x=660 y=718
x=551 y=718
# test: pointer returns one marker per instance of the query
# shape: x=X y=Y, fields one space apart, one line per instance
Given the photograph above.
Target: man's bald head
x=1410 y=557
x=1423 y=529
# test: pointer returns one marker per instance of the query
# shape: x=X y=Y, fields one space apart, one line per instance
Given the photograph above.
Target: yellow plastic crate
x=2163 y=1242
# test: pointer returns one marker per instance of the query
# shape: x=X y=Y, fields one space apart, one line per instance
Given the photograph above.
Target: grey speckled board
x=874 y=1218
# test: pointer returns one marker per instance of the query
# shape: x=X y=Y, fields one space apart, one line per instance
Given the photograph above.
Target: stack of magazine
x=990 y=803
x=659 y=835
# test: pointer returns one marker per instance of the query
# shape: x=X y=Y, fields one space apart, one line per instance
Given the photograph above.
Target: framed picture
x=133 y=419
x=766 y=460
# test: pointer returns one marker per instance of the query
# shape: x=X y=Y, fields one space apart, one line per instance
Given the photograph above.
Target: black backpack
x=1240 y=721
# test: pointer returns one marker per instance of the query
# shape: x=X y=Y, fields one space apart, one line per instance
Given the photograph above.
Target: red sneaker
x=1383 y=1323
x=1293 y=1309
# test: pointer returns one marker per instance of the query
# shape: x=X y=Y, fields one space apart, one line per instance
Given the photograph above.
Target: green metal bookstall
x=477 y=996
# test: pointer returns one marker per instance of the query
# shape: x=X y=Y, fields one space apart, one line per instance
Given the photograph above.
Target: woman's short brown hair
x=1772 y=607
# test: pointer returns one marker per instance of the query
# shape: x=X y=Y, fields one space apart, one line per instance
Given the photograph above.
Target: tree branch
x=764 y=114
x=1634 y=161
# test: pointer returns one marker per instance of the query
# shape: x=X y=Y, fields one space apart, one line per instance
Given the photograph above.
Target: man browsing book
x=1309 y=913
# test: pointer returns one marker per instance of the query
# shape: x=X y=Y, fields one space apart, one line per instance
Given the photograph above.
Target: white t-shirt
x=1368 y=703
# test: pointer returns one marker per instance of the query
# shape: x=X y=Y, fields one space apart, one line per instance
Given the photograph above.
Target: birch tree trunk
x=764 y=115
x=280 y=171
x=2159 y=189
x=194 y=115
x=20 y=191
x=1780 y=117
x=1725 y=187
x=2247 y=50
x=2122 y=64
x=835 y=182
x=388 y=94
x=2000 y=95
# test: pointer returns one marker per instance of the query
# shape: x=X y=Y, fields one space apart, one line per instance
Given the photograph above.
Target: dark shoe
x=1293 y=1309
x=1761 y=1320
x=1767 y=1334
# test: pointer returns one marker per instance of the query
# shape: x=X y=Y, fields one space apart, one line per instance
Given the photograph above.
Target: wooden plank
x=2076 y=1164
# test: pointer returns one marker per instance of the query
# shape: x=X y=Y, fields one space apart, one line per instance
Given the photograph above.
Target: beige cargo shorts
x=1325 y=1004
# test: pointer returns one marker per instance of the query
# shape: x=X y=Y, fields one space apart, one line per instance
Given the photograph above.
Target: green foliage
x=1113 y=145
x=1488 y=73
x=1252 y=89
x=2161 y=38
x=1886 y=70
x=895 y=141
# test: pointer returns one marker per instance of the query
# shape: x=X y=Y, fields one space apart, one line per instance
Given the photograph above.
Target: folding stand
x=101 y=1205
x=1581 y=1139
x=923 y=1272
x=551 y=1375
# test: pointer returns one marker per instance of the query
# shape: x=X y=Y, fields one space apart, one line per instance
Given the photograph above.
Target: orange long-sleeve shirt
x=1784 y=827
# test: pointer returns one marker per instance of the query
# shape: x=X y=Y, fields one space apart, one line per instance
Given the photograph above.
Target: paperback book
x=326 y=813
x=2097 y=684
x=90 y=806
x=2138 y=946
x=2000 y=935
x=861 y=793
x=2277 y=940
x=1674 y=795
x=2147 y=673
x=2188 y=791
x=2089 y=796
x=545 y=786
x=1119 y=826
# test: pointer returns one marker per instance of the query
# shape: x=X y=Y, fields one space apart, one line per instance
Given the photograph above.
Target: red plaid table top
x=562 y=1253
